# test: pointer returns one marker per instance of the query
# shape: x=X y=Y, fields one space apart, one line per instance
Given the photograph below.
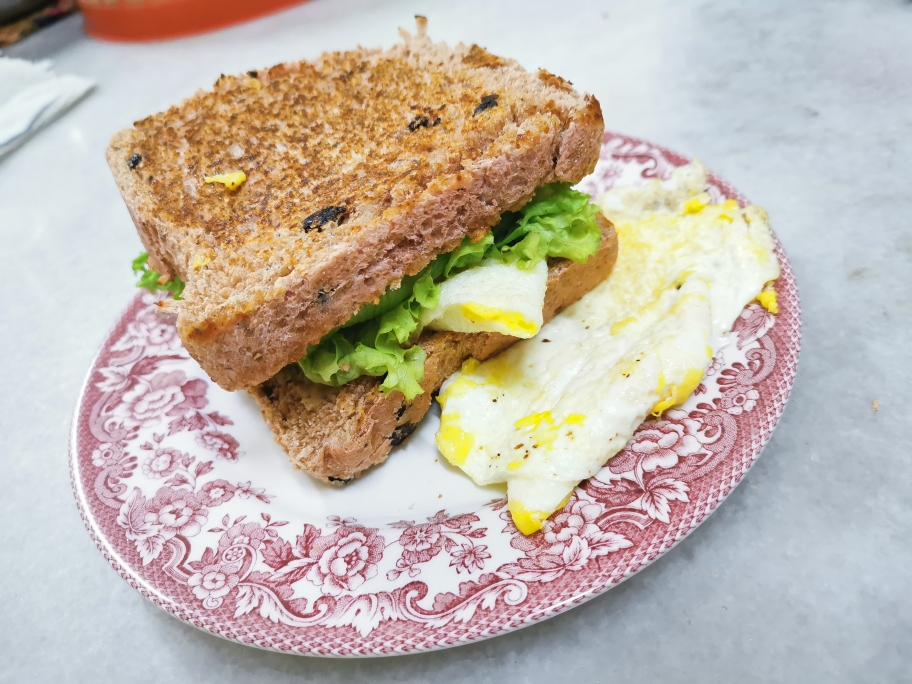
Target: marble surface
x=801 y=576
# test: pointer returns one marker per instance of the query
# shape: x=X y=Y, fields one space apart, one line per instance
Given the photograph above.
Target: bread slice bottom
x=335 y=433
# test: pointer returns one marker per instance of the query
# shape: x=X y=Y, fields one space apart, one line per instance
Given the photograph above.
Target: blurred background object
x=20 y=18
x=31 y=96
x=142 y=20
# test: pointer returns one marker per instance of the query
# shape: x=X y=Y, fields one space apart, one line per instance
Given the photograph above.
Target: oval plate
x=187 y=496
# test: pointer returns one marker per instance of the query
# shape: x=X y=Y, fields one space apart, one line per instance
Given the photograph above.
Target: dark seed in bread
x=402 y=433
x=487 y=102
x=420 y=121
x=318 y=219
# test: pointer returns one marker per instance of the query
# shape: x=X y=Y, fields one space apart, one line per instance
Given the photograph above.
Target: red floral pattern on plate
x=151 y=465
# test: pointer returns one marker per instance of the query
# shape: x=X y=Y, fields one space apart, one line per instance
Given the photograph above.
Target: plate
x=189 y=499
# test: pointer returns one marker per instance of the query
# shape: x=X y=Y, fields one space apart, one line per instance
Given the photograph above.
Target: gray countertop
x=803 y=575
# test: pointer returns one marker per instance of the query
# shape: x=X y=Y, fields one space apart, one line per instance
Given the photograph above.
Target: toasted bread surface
x=360 y=168
x=335 y=433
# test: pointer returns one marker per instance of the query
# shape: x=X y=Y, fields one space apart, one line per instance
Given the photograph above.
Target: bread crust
x=397 y=138
x=335 y=433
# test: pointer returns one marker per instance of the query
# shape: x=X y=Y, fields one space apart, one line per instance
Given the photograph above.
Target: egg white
x=550 y=411
x=491 y=297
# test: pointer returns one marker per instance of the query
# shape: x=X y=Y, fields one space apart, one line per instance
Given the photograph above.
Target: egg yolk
x=500 y=373
x=678 y=393
x=454 y=442
x=620 y=325
x=542 y=430
x=769 y=300
x=535 y=420
x=528 y=521
x=232 y=181
x=513 y=320
x=459 y=387
x=694 y=205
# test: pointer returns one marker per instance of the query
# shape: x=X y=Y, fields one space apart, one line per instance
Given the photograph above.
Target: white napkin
x=31 y=96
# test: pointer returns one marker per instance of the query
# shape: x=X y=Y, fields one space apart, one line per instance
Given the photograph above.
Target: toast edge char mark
x=335 y=433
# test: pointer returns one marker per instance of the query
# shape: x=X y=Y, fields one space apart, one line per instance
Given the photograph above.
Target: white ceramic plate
x=185 y=493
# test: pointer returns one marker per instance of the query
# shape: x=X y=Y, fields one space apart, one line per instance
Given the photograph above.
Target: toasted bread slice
x=335 y=433
x=361 y=167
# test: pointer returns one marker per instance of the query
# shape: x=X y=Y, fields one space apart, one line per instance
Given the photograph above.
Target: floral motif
x=245 y=491
x=215 y=493
x=162 y=463
x=345 y=559
x=223 y=444
x=248 y=534
x=578 y=521
x=420 y=538
x=657 y=444
x=739 y=402
x=212 y=583
x=656 y=496
x=116 y=378
x=175 y=511
x=714 y=366
x=737 y=383
x=607 y=172
x=300 y=589
x=469 y=557
x=104 y=454
x=443 y=532
x=753 y=323
x=149 y=333
x=565 y=543
x=164 y=394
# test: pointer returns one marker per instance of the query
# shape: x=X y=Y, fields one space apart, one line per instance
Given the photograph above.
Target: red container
x=142 y=20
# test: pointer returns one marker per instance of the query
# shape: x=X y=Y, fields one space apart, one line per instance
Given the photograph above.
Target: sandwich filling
x=542 y=417
x=496 y=284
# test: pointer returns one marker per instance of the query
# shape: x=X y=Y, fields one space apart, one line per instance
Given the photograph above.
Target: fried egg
x=550 y=411
x=491 y=297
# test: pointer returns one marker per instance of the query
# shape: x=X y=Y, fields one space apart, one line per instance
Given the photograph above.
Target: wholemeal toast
x=361 y=167
x=335 y=433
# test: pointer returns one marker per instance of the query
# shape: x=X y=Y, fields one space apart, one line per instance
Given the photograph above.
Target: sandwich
x=340 y=236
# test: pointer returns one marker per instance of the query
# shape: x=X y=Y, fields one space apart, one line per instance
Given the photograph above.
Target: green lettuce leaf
x=558 y=222
x=148 y=278
x=469 y=254
x=377 y=346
